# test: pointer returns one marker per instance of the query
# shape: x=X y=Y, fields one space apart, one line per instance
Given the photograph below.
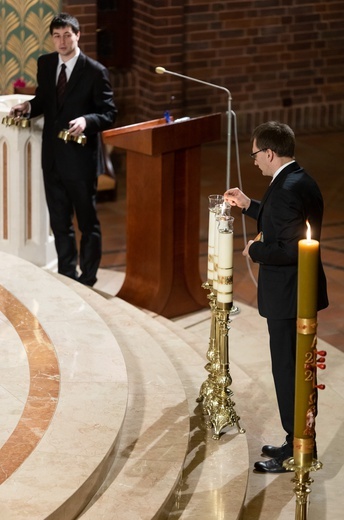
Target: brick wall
x=86 y=12
x=279 y=59
x=158 y=40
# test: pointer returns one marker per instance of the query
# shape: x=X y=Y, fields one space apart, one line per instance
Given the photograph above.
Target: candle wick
x=308 y=232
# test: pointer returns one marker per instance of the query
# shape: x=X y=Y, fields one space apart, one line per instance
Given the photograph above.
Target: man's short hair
x=64 y=20
x=276 y=136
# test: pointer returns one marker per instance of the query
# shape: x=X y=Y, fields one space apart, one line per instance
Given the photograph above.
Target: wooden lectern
x=163 y=210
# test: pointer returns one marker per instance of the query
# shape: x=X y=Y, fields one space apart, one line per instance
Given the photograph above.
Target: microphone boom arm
x=162 y=70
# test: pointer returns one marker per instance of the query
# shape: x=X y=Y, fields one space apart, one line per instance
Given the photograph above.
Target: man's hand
x=236 y=197
x=246 y=251
x=20 y=110
x=77 y=126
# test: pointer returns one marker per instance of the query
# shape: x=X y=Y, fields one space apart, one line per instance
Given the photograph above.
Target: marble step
x=127 y=438
x=218 y=474
x=156 y=428
x=213 y=468
x=121 y=422
x=69 y=393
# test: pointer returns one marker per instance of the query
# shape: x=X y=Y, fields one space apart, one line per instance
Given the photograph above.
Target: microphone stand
x=162 y=70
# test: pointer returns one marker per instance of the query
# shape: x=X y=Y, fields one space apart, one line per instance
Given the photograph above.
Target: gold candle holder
x=303 y=461
x=214 y=205
x=219 y=405
x=215 y=393
x=208 y=386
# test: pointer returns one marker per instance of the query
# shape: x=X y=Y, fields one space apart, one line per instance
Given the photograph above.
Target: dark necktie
x=61 y=84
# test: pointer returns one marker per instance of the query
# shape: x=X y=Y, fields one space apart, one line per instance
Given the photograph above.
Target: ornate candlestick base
x=219 y=406
x=302 y=463
x=215 y=393
x=208 y=386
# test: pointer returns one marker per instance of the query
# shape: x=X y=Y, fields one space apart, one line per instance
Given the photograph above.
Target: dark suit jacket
x=89 y=94
x=290 y=200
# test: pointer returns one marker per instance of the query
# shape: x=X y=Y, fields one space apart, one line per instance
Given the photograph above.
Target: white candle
x=214 y=201
x=211 y=243
x=225 y=261
x=216 y=247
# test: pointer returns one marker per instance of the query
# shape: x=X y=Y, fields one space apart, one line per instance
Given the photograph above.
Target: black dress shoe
x=280 y=452
x=270 y=466
x=89 y=282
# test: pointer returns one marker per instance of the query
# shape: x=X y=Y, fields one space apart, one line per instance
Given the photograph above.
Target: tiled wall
x=24 y=35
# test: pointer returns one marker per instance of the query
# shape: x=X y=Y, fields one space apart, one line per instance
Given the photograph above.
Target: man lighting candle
x=291 y=198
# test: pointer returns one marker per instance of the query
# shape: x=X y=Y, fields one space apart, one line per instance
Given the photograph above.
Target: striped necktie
x=61 y=84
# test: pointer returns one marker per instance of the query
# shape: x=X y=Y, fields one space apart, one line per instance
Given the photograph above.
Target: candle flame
x=308 y=230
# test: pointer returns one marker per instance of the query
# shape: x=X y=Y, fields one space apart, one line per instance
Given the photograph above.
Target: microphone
x=162 y=70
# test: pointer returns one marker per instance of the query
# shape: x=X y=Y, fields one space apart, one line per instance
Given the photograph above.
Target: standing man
x=291 y=199
x=73 y=93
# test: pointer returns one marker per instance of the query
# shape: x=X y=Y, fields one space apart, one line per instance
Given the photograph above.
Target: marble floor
x=57 y=351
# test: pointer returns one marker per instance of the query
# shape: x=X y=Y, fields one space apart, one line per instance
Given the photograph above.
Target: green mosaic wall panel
x=24 y=35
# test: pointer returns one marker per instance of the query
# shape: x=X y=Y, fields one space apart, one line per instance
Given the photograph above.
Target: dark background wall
x=279 y=59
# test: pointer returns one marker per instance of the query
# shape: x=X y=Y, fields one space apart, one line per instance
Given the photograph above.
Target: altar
x=24 y=218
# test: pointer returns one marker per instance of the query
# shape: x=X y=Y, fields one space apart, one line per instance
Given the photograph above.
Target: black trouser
x=283 y=357
x=64 y=197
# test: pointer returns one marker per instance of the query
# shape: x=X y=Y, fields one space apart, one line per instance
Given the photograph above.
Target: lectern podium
x=163 y=206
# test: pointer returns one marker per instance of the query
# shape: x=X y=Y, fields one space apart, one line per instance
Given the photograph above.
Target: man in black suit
x=291 y=199
x=73 y=93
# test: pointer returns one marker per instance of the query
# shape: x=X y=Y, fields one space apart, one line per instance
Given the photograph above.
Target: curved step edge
x=156 y=429
x=211 y=467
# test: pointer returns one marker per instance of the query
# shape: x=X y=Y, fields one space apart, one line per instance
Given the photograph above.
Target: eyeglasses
x=255 y=153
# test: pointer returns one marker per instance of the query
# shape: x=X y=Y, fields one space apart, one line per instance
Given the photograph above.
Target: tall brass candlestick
x=215 y=393
x=208 y=386
x=305 y=375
